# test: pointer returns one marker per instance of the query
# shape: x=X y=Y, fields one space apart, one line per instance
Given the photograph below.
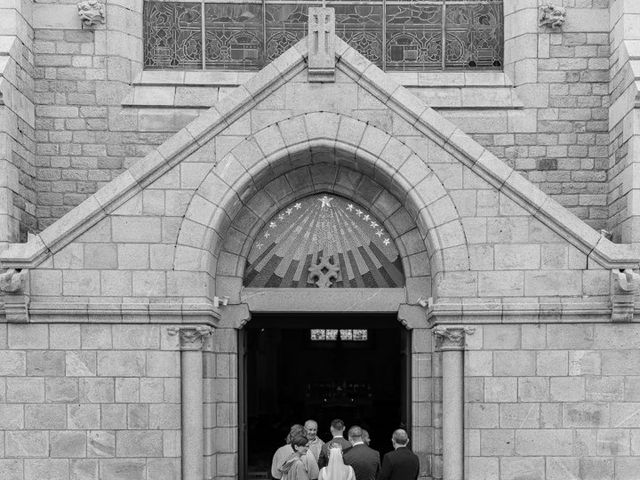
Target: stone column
x=450 y=341
x=191 y=342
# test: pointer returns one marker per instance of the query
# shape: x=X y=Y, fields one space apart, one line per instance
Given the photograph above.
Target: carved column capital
x=191 y=338
x=451 y=337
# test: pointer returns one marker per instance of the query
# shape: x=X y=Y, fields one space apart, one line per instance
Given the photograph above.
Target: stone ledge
x=506 y=313
x=323 y=300
x=148 y=313
x=202 y=89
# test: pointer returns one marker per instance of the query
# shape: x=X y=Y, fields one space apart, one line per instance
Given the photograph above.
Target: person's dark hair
x=355 y=432
x=337 y=424
x=299 y=441
x=295 y=431
x=400 y=437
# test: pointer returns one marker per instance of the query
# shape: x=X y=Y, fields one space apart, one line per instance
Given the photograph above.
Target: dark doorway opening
x=297 y=367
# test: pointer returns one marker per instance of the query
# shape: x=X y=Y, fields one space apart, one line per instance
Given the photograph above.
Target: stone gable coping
x=238 y=102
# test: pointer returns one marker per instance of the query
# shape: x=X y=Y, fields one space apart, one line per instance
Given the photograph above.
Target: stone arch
x=234 y=192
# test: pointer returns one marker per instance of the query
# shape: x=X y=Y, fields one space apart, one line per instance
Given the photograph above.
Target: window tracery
x=393 y=34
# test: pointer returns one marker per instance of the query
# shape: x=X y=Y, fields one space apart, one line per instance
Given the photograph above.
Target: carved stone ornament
x=625 y=285
x=12 y=281
x=322 y=45
x=552 y=16
x=191 y=338
x=91 y=12
x=16 y=303
x=451 y=337
x=324 y=273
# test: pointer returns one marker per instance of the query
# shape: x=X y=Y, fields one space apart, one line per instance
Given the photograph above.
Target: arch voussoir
x=316 y=152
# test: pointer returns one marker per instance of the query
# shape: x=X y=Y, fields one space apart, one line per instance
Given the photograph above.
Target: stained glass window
x=394 y=34
x=346 y=335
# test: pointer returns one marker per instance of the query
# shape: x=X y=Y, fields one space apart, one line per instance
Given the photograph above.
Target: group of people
x=306 y=457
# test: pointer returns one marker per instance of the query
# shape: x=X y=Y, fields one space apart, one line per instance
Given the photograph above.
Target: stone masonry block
x=517 y=257
x=520 y=415
x=136 y=229
x=501 y=389
x=68 y=444
x=81 y=282
x=146 y=443
x=585 y=362
x=96 y=337
x=61 y=390
x=121 y=364
x=483 y=415
x=514 y=363
x=163 y=364
x=598 y=415
x=501 y=337
x=533 y=389
x=120 y=469
x=51 y=469
x=550 y=363
x=570 y=336
x=26 y=444
x=12 y=363
x=567 y=389
x=12 y=417
x=497 y=442
x=83 y=416
x=624 y=362
x=514 y=468
x=544 y=442
x=101 y=443
x=64 y=337
x=152 y=390
x=25 y=390
x=28 y=337
x=136 y=337
x=96 y=390
x=113 y=416
x=45 y=363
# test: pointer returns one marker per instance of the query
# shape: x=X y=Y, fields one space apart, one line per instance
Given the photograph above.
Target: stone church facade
x=148 y=220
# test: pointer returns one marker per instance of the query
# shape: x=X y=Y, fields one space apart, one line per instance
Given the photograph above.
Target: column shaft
x=192 y=416
x=452 y=415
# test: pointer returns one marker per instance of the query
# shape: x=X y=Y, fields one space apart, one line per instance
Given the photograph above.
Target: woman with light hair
x=336 y=469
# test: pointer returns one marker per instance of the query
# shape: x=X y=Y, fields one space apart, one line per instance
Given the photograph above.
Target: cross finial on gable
x=322 y=46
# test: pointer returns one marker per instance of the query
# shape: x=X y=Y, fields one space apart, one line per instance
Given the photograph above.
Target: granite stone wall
x=553 y=402
x=92 y=401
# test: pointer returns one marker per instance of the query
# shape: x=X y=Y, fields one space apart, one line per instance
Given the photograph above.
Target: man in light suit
x=401 y=463
x=364 y=459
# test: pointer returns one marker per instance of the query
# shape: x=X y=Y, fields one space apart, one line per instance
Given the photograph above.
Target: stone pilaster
x=191 y=343
x=450 y=340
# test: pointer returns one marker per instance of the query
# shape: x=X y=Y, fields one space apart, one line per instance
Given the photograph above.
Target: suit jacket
x=401 y=464
x=323 y=460
x=364 y=460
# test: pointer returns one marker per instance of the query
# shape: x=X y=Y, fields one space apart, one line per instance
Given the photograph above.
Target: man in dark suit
x=364 y=459
x=337 y=430
x=401 y=463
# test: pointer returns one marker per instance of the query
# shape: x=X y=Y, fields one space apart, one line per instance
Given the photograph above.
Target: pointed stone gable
x=172 y=217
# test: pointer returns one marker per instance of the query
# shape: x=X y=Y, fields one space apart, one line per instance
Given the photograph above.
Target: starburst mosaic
x=324 y=241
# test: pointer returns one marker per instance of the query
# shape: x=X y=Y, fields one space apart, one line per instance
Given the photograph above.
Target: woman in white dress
x=336 y=469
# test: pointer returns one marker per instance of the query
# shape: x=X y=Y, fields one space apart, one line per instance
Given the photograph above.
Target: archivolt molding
x=316 y=141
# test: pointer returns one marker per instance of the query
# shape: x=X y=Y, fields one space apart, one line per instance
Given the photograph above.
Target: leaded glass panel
x=360 y=25
x=414 y=36
x=474 y=35
x=286 y=25
x=172 y=35
x=234 y=35
x=394 y=34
